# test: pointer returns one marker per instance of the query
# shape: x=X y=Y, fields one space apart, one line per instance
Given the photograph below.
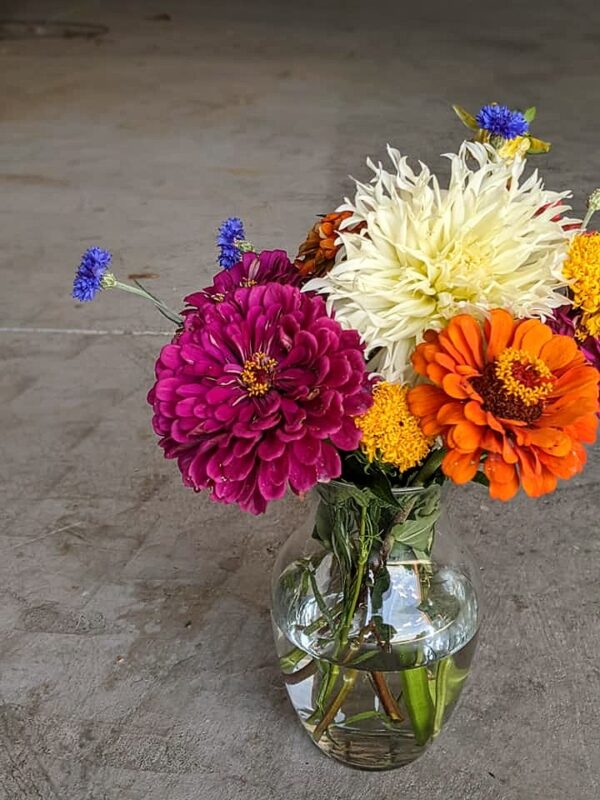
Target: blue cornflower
x=501 y=121
x=92 y=269
x=231 y=233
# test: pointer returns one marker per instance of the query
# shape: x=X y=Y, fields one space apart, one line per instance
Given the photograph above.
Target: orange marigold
x=317 y=253
x=389 y=432
x=513 y=391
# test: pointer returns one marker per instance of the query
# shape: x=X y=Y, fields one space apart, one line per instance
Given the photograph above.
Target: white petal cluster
x=424 y=254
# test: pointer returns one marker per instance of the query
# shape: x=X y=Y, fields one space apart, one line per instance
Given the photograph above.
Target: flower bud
x=593 y=202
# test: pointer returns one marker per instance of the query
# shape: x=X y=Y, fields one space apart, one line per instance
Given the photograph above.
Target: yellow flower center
x=524 y=376
x=390 y=433
x=582 y=270
x=258 y=373
x=247 y=282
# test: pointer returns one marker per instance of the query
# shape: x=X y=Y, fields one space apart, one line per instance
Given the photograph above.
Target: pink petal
x=170 y=356
x=307 y=449
x=348 y=436
x=165 y=389
x=271 y=447
x=329 y=465
x=302 y=476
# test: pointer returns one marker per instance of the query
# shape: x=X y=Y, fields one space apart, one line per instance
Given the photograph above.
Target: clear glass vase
x=375 y=614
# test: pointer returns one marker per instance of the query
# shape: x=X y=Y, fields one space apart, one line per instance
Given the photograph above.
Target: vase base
x=371 y=752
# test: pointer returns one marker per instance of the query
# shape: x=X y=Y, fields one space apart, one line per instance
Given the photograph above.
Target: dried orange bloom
x=389 y=432
x=513 y=392
x=317 y=253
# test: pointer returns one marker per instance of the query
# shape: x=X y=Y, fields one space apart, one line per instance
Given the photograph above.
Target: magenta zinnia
x=261 y=394
x=254 y=269
x=566 y=320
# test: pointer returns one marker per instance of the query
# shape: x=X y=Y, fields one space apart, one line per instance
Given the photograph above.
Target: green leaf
x=339 y=493
x=538 y=146
x=381 y=584
x=368 y=654
x=384 y=630
x=466 y=118
x=416 y=532
x=381 y=488
x=340 y=543
x=324 y=524
x=323 y=608
x=530 y=113
x=360 y=717
x=481 y=478
x=422 y=555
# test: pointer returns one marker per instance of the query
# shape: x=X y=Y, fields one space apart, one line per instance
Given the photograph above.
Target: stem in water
x=328 y=717
x=388 y=701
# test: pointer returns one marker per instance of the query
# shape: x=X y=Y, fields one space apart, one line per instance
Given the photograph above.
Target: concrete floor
x=135 y=648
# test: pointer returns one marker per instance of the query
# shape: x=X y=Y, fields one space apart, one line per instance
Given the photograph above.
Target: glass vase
x=375 y=613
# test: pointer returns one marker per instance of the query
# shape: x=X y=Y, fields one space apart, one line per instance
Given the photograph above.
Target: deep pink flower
x=262 y=393
x=566 y=322
x=270 y=266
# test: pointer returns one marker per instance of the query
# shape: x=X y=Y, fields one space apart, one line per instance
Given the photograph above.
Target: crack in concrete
x=83 y=331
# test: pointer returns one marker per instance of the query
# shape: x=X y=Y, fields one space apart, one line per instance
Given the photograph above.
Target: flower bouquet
x=421 y=335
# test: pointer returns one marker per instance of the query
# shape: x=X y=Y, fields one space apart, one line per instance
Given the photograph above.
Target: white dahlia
x=423 y=254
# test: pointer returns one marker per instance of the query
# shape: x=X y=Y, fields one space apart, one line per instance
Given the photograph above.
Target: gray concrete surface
x=135 y=648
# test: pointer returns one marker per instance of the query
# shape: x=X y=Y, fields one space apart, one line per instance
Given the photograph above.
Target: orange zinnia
x=512 y=391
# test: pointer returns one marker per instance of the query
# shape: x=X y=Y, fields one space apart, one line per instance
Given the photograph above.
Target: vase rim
x=396 y=490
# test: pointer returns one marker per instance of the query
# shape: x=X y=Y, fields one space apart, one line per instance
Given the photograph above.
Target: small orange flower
x=512 y=391
x=317 y=253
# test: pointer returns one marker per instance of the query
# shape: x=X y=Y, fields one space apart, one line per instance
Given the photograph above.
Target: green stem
x=330 y=673
x=169 y=313
x=301 y=674
x=441 y=692
x=329 y=685
x=289 y=660
x=586 y=220
x=348 y=682
x=388 y=701
x=415 y=684
x=429 y=467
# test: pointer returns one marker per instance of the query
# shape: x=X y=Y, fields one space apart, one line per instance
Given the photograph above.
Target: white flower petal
x=425 y=254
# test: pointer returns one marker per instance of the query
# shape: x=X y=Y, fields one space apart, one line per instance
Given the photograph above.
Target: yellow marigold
x=582 y=270
x=390 y=433
x=591 y=323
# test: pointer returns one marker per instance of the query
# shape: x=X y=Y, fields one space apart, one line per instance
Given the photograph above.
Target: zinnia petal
x=461 y=467
x=249 y=392
x=499 y=331
x=528 y=408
